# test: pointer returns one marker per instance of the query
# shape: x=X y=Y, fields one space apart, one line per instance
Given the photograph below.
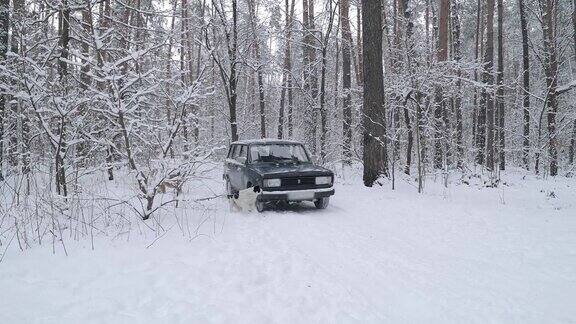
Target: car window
x=242 y=151
x=278 y=152
x=233 y=152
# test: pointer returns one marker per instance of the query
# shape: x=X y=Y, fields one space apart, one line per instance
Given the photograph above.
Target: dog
x=245 y=200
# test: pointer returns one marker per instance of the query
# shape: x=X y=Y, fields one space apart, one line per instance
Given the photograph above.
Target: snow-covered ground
x=465 y=254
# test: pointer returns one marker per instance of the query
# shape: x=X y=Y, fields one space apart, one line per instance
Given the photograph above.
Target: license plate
x=301 y=196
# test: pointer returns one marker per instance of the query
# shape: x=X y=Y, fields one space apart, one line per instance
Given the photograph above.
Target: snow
x=465 y=254
x=265 y=141
x=566 y=87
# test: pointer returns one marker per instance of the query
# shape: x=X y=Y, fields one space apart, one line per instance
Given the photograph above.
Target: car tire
x=322 y=203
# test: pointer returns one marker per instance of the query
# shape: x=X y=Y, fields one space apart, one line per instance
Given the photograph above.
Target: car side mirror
x=241 y=159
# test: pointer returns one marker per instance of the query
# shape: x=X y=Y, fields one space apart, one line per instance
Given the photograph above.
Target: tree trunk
x=102 y=57
x=185 y=70
x=480 y=113
x=476 y=56
x=60 y=149
x=486 y=123
x=443 y=30
x=401 y=53
x=310 y=74
x=500 y=89
x=551 y=72
x=195 y=108
x=280 y=133
x=409 y=52
x=290 y=93
x=4 y=28
x=439 y=111
x=572 y=144
x=574 y=27
x=85 y=78
x=228 y=73
x=359 y=46
x=395 y=67
x=525 y=85
x=233 y=79
x=287 y=72
x=22 y=149
x=346 y=80
x=169 y=70
x=64 y=22
x=306 y=64
x=260 y=77
x=323 y=109
x=572 y=150
x=457 y=45
x=374 y=119
x=427 y=28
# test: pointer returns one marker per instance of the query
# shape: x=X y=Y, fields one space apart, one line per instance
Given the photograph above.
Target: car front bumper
x=296 y=195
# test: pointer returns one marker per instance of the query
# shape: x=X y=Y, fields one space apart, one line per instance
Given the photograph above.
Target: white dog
x=245 y=200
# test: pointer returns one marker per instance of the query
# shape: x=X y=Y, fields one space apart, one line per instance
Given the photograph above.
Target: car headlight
x=269 y=183
x=323 y=180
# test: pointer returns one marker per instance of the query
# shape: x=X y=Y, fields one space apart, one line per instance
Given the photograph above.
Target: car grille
x=298 y=182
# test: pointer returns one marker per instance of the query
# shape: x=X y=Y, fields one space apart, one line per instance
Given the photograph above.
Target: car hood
x=289 y=169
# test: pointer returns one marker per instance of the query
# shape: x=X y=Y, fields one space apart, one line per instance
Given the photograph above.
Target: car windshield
x=278 y=153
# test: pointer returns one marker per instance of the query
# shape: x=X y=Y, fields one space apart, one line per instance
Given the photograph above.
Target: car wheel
x=260 y=205
x=321 y=203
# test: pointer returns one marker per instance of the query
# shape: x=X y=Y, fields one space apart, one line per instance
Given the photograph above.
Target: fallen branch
x=208 y=198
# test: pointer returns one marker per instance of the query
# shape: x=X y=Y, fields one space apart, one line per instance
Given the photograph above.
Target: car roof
x=264 y=141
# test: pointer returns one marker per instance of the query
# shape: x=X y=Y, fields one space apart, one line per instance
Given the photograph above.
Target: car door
x=241 y=159
x=231 y=165
x=236 y=164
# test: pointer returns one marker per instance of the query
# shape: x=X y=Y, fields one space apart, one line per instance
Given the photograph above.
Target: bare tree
x=60 y=144
x=323 y=111
x=287 y=72
x=259 y=65
x=228 y=75
x=184 y=58
x=409 y=59
x=310 y=72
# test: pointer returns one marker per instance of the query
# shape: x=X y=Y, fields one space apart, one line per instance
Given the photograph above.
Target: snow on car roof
x=265 y=141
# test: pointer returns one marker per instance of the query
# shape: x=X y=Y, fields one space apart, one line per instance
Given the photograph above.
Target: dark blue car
x=281 y=169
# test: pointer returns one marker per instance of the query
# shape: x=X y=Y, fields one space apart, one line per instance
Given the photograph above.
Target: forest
x=449 y=126
x=420 y=87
